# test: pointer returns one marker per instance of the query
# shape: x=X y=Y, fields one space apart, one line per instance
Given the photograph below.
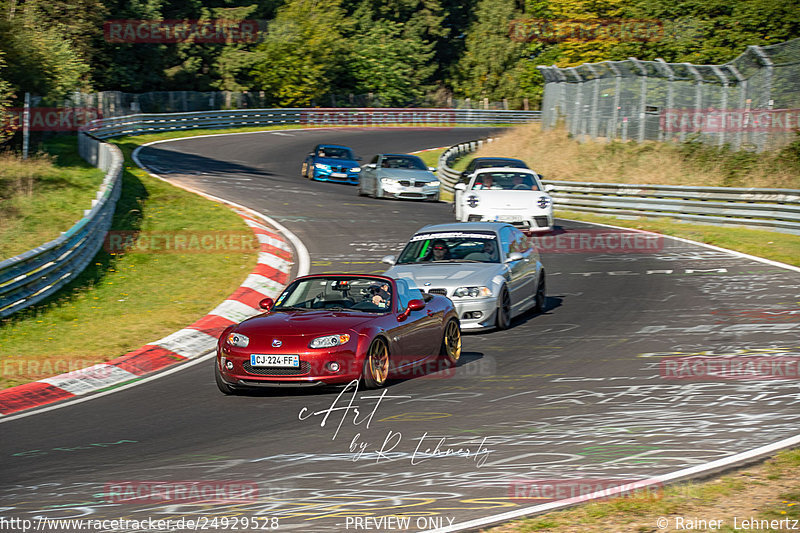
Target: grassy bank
x=559 y=157
x=125 y=300
x=769 y=491
x=43 y=195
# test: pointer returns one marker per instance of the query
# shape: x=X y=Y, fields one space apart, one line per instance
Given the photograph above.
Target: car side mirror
x=549 y=188
x=460 y=187
x=413 y=305
x=388 y=259
x=514 y=256
x=432 y=169
x=370 y=166
x=266 y=304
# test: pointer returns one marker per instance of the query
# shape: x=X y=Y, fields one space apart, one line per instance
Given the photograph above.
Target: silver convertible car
x=398 y=176
x=490 y=270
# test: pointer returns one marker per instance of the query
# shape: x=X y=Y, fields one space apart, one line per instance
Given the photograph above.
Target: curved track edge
x=276 y=260
x=696 y=472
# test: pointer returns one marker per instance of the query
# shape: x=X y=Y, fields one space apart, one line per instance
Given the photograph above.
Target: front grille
x=541 y=221
x=409 y=183
x=443 y=292
x=304 y=368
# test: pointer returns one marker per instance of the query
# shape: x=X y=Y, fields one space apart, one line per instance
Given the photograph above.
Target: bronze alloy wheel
x=376 y=365
x=451 y=343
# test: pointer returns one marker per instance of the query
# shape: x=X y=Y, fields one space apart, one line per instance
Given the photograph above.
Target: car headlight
x=432 y=184
x=238 y=340
x=543 y=202
x=329 y=341
x=355 y=169
x=472 y=292
x=322 y=167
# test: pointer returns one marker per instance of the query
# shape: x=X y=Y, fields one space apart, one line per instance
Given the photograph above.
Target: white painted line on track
x=170 y=370
x=686 y=473
x=303 y=268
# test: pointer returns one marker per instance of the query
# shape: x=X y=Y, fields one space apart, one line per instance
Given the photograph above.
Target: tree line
x=404 y=52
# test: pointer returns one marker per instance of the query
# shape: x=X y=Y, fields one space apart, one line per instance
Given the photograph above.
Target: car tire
x=310 y=172
x=360 y=190
x=304 y=169
x=503 y=314
x=540 y=298
x=450 y=351
x=376 y=365
x=221 y=384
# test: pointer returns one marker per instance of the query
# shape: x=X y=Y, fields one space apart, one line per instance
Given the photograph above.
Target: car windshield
x=335 y=153
x=453 y=246
x=369 y=295
x=403 y=161
x=486 y=163
x=505 y=181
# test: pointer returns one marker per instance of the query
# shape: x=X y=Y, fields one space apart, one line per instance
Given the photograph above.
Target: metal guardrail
x=447 y=176
x=154 y=123
x=777 y=209
x=36 y=274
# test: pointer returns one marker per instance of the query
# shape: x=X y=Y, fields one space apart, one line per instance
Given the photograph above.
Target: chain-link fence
x=751 y=103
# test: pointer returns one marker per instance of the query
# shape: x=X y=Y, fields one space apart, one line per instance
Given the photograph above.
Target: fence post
x=767 y=90
x=617 y=89
x=670 y=91
x=642 y=98
x=723 y=104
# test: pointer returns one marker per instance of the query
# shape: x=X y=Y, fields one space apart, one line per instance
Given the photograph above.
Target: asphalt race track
x=581 y=392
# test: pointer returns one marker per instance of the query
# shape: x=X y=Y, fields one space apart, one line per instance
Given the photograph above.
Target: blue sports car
x=331 y=162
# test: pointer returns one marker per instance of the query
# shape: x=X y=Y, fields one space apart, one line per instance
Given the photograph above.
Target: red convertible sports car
x=335 y=328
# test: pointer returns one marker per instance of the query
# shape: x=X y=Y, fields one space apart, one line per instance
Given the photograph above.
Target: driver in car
x=381 y=295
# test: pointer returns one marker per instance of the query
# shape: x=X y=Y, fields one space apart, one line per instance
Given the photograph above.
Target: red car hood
x=312 y=322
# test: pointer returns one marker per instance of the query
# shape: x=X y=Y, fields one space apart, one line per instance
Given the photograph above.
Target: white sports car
x=512 y=195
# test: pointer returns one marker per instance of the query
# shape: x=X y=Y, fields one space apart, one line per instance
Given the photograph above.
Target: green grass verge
x=121 y=302
x=44 y=196
x=640 y=512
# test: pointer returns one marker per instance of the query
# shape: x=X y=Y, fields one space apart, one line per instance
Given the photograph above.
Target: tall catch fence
x=751 y=103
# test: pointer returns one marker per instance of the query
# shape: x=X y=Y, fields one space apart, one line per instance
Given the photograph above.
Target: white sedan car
x=512 y=195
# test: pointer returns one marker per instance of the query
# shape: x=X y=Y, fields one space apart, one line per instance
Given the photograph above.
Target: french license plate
x=338 y=175
x=274 y=361
x=510 y=218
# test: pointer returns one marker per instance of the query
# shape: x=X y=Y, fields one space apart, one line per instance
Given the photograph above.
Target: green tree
x=493 y=62
x=40 y=58
x=390 y=63
x=302 y=55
